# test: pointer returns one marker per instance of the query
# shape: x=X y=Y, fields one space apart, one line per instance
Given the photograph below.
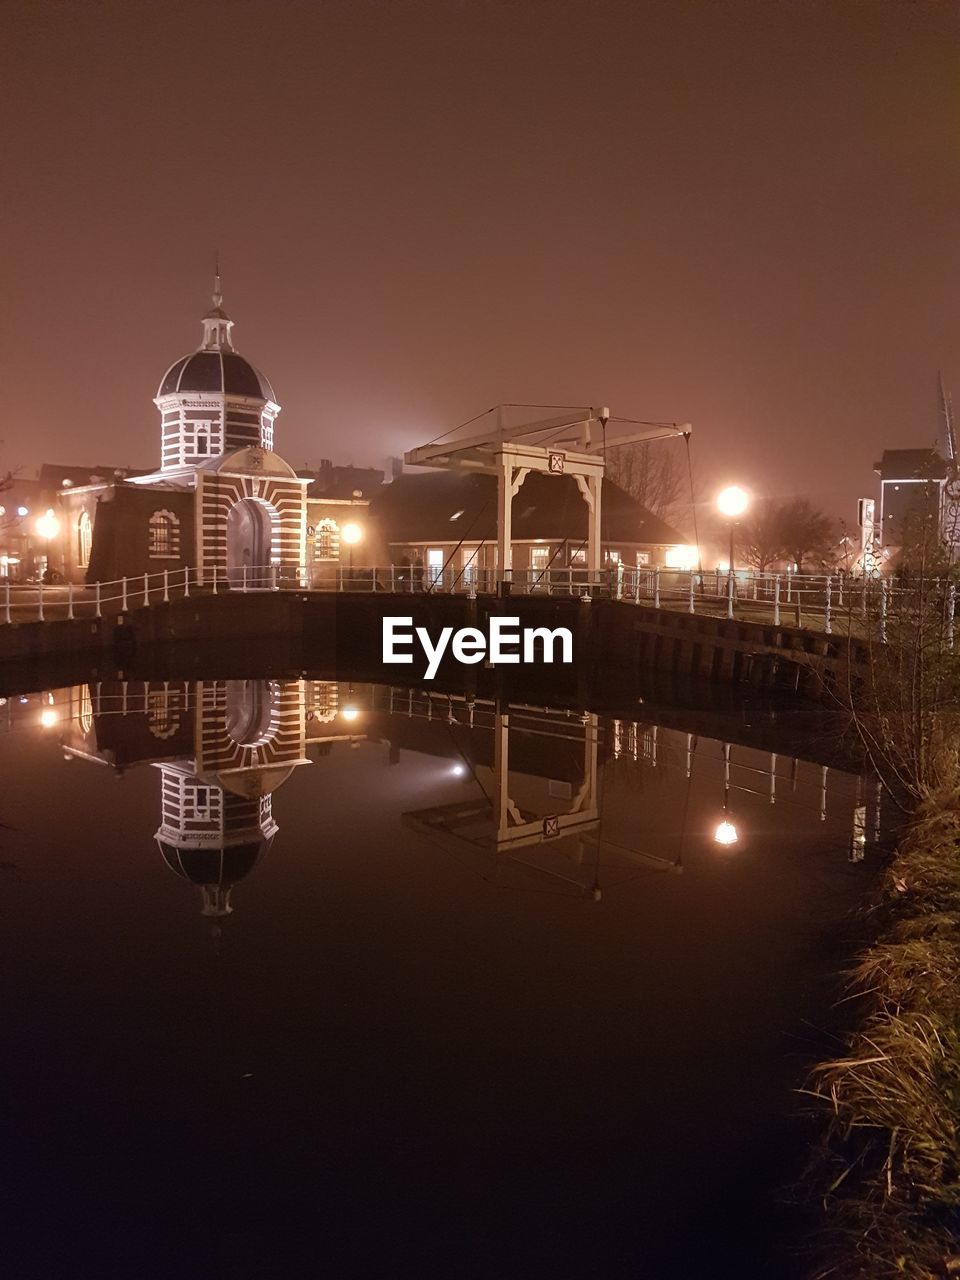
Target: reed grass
x=888 y=1173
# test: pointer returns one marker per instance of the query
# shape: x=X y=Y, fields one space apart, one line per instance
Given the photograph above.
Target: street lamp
x=726 y=833
x=48 y=526
x=732 y=502
x=351 y=533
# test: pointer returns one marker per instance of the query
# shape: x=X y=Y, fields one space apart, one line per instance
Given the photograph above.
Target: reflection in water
x=534 y=778
x=496 y=958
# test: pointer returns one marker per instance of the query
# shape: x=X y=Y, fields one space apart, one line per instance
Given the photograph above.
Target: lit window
x=84 y=539
x=163 y=713
x=326 y=543
x=163 y=536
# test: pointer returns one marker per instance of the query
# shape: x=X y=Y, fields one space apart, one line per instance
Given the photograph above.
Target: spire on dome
x=217 y=291
x=216 y=323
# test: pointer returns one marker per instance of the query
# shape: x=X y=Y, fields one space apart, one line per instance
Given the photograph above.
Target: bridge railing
x=821 y=602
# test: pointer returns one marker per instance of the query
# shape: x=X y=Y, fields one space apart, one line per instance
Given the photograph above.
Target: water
x=276 y=1002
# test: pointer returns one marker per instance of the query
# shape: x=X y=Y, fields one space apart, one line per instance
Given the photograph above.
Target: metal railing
x=820 y=602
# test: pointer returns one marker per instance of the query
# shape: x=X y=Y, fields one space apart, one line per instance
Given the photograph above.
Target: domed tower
x=213 y=402
x=212 y=836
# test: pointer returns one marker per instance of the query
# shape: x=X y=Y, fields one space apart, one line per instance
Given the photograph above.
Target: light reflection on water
x=564 y=938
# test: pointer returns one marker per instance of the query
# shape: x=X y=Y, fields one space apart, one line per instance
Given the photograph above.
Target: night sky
x=737 y=214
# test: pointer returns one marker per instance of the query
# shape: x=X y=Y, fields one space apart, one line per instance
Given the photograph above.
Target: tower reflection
x=222 y=748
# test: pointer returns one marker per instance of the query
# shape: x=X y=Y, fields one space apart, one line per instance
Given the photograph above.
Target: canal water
x=310 y=978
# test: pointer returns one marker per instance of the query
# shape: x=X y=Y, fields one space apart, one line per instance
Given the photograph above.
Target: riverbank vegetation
x=888 y=1173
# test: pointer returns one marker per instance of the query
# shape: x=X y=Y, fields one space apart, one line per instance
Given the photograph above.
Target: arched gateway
x=250 y=544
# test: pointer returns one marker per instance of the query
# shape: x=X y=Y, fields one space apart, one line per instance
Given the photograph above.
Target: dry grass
x=889 y=1171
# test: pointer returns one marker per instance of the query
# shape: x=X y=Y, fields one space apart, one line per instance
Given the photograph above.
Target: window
x=85 y=715
x=163 y=540
x=203 y=443
x=539 y=562
x=469 y=556
x=84 y=539
x=643 y=558
x=163 y=713
x=434 y=564
x=326 y=700
x=201 y=803
x=326 y=542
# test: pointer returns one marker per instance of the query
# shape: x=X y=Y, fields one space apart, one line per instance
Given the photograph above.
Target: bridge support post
x=70 y=601
x=96 y=599
x=186 y=583
x=244 y=587
x=827 y=595
x=730 y=595
x=123 y=596
x=656 y=587
x=40 y=604
x=691 y=603
x=214 y=577
x=883 y=611
x=776 y=601
x=146 y=589
x=166 y=586
x=951 y=611
x=6 y=608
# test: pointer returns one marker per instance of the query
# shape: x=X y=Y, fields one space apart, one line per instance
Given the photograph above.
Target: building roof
x=54 y=477
x=447 y=506
x=212 y=865
x=344 y=483
x=911 y=464
x=220 y=372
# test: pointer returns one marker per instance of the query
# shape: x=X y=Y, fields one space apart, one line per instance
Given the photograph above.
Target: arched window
x=85 y=715
x=163 y=712
x=326 y=543
x=84 y=539
x=163 y=542
x=203 y=442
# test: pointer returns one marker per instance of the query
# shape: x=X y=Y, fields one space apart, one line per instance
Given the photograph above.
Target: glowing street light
x=726 y=833
x=350 y=712
x=351 y=533
x=48 y=526
x=732 y=502
x=48 y=717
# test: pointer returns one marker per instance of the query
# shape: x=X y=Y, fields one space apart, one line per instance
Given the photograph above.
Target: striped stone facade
x=266 y=479
x=197 y=427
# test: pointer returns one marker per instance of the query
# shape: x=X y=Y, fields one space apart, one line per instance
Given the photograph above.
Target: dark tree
x=759 y=537
x=806 y=533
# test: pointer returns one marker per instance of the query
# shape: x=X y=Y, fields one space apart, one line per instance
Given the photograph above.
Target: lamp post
x=47 y=527
x=725 y=833
x=732 y=502
x=351 y=534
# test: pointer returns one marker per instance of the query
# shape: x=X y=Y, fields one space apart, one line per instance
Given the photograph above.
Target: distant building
x=449 y=518
x=915 y=488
